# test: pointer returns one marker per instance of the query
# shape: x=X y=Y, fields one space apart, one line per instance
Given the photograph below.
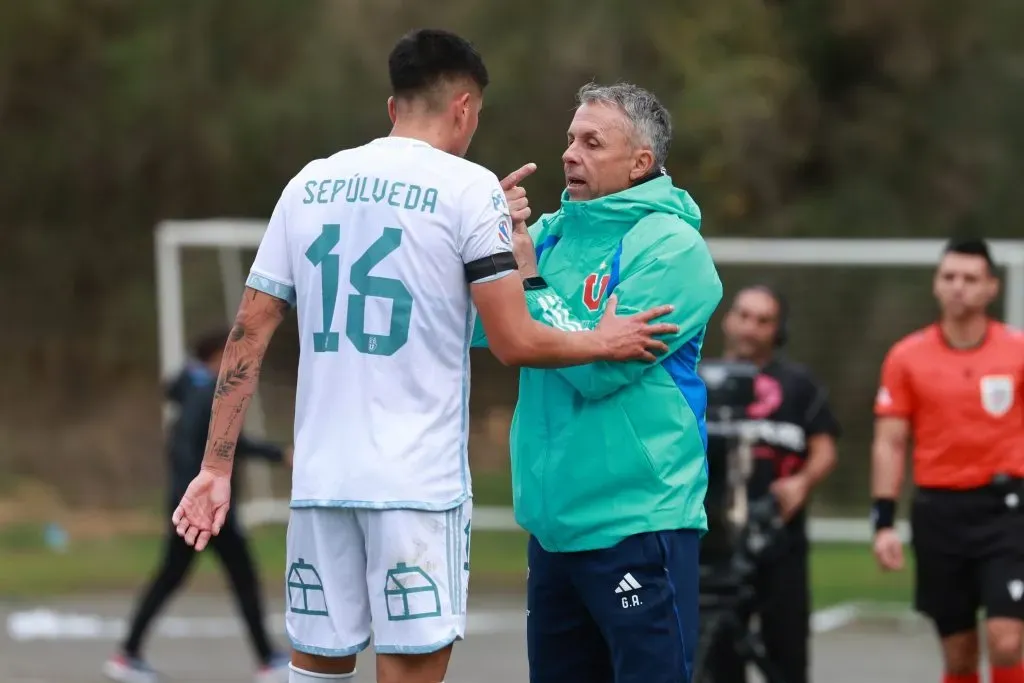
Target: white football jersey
x=376 y=247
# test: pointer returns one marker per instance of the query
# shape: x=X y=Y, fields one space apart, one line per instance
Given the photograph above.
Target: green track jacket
x=607 y=450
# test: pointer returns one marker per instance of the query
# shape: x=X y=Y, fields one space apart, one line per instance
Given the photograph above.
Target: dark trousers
x=783 y=592
x=625 y=614
x=232 y=549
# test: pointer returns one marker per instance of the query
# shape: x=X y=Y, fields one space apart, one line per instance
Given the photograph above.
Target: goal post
x=230 y=237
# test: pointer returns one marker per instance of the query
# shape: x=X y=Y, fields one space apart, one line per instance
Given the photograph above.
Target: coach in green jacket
x=609 y=460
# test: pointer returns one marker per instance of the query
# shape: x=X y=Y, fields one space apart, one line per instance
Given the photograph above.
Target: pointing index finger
x=517 y=176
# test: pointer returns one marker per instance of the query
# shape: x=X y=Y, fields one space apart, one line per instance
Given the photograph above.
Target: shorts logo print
x=306 y=590
x=410 y=593
x=1016 y=588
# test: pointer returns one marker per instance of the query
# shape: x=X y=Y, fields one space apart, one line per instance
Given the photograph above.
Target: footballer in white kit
x=384 y=250
x=376 y=246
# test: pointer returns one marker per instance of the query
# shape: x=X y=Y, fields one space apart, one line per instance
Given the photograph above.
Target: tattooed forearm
x=236 y=415
x=224 y=449
x=258 y=317
x=235 y=377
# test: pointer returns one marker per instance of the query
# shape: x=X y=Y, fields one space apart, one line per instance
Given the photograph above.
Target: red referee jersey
x=964 y=406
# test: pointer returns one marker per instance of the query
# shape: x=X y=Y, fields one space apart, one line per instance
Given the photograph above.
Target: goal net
x=850 y=299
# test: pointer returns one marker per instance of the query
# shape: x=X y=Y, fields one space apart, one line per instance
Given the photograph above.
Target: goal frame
x=229 y=235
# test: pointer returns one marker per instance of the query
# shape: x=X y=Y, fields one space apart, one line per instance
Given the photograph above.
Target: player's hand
x=791 y=493
x=203 y=508
x=515 y=196
x=889 y=550
x=288 y=456
x=632 y=337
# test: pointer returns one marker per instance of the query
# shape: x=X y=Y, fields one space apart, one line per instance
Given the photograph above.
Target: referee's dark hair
x=970 y=246
x=425 y=58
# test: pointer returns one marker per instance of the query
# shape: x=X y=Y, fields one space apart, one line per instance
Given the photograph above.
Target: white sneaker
x=274 y=672
x=125 y=669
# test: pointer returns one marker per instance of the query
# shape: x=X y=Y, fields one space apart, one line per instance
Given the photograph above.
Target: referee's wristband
x=883 y=513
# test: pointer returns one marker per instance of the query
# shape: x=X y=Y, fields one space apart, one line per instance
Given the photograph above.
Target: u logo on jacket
x=593 y=290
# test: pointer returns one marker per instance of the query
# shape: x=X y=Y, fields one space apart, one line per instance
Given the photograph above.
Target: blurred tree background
x=792 y=118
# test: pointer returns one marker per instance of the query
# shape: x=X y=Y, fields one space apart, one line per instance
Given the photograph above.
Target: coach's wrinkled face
x=750 y=324
x=964 y=285
x=602 y=157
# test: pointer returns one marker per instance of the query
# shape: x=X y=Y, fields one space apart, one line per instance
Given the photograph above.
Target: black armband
x=535 y=282
x=489 y=266
x=883 y=513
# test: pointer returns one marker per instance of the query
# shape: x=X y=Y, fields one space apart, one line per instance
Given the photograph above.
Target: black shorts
x=969 y=551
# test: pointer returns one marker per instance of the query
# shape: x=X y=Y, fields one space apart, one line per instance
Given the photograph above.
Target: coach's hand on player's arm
x=633 y=337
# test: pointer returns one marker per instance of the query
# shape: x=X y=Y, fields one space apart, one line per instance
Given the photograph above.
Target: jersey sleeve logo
x=997 y=394
x=498 y=200
x=504 y=234
x=883 y=398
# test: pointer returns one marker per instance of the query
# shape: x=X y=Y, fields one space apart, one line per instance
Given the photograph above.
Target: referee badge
x=997 y=394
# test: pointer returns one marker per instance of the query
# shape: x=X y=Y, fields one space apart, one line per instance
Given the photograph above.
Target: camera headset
x=782 y=324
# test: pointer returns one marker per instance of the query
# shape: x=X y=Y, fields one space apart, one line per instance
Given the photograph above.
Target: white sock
x=297 y=675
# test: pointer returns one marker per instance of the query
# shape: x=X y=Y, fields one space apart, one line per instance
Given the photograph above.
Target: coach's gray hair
x=652 y=124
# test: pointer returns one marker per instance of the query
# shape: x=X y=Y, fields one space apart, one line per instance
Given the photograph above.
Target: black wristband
x=883 y=513
x=535 y=282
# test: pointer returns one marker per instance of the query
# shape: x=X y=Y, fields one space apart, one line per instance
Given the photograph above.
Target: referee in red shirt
x=955 y=387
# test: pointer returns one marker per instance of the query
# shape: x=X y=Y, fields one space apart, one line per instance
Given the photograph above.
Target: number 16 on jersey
x=319 y=254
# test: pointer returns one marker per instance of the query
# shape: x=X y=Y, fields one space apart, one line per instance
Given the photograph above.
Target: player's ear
x=460 y=107
x=392 y=114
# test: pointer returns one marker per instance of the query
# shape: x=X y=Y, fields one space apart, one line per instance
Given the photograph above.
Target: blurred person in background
x=794 y=450
x=381 y=505
x=193 y=392
x=954 y=387
x=609 y=459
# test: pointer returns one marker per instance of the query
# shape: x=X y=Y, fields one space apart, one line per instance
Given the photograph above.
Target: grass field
x=28 y=569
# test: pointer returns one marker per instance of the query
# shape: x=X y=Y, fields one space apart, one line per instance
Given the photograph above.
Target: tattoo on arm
x=233 y=378
x=224 y=449
x=258 y=317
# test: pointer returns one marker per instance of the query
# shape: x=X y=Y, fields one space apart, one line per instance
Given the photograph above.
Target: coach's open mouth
x=574 y=181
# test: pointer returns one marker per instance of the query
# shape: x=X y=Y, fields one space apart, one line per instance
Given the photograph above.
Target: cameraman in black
x=793 y=432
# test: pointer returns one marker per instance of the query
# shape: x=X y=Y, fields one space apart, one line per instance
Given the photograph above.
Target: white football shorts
x=406 y=571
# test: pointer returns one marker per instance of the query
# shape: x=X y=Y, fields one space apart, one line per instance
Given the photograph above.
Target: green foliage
x=792 y=117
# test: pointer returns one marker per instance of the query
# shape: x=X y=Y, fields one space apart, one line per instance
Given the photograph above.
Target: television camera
x=741 y=528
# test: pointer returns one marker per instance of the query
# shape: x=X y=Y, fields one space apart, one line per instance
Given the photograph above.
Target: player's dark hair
x=782 y=303
x=424 y=58
x=970 y=246
x=210 y=344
